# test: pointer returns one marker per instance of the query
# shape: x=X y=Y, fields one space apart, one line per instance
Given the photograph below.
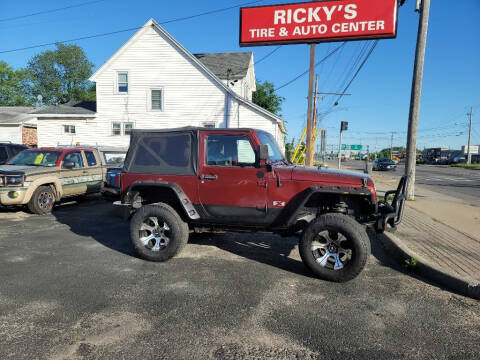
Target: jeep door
x=231 y=188
x=72 y=179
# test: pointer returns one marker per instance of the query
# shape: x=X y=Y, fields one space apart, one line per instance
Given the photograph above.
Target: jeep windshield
x=36 y=158
x=274 y=153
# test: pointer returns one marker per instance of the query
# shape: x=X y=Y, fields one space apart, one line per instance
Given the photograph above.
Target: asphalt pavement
x=71 y=288
x=459 y=183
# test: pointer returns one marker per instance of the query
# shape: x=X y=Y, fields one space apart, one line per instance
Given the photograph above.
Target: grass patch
x=467 y=166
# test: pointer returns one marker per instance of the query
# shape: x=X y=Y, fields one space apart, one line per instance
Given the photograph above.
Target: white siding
x=12 y=133
x=190 y=95
x=51 y=133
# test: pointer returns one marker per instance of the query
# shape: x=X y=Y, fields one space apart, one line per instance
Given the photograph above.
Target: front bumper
x=12 y=195
x=391 y=213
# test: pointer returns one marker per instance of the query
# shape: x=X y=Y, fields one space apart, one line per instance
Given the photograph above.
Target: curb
x=400 y=252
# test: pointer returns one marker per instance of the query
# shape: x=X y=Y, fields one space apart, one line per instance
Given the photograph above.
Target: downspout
x=227 y=101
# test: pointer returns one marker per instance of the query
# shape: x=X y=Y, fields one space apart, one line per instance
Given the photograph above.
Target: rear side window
x=162 y=154
x=91 y=160
x=3 y=154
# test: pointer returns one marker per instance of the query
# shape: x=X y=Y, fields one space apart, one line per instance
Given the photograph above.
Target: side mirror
x=263 y=152
x=68 y=164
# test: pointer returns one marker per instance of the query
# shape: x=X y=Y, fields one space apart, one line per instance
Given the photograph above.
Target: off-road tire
x=34 y=205
x=178 y=231
x=352 y=230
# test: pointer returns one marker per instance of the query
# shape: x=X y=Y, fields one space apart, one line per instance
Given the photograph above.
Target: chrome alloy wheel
x=45 y=200
x=331 y=250
x=154 y=234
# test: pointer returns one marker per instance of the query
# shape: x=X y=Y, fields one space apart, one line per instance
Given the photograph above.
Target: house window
x=122 y=81
x=157 y=99
x=127 y=128
x=116 y=128
x=69 y=129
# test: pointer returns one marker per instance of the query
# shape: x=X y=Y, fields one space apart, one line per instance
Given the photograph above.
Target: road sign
x=314 y=22
x=352 y=147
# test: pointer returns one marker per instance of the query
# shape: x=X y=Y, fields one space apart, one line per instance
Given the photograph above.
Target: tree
x=12 y=86
x=385 y=153
x=265 y=97
x=60 y=75
x=289 y=148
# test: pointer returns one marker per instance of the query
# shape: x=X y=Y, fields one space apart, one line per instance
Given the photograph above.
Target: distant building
x=474 y=149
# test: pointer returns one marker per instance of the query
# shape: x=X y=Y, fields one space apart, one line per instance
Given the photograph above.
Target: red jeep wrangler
x=199 y=179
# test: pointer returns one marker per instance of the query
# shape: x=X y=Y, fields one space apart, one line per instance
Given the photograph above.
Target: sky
x=380 y=95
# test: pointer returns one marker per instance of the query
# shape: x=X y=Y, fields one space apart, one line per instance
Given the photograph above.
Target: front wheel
x=42 y=200
x=157 y=232
x=335 y=247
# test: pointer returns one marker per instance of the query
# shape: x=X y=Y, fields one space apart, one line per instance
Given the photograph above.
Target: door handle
x=208 y=177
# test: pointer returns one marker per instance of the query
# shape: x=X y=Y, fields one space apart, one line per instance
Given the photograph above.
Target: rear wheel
x=157 y=232
x=335 y=247
x=42 y=200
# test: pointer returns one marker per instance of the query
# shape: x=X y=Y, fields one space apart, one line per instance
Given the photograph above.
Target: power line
x=51 y=10
x=306 y=71
x=131 y=29
x=358 y=70
x=266 y=56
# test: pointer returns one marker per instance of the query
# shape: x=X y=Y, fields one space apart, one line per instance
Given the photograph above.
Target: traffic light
x=344 y=126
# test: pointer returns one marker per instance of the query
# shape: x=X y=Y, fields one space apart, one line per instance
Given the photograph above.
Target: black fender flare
x=182 y=197
x=291 y=210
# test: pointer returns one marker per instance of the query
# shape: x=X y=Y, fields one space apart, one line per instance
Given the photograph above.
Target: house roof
x=195 y=60
x=220 y=63
x=71 y=108
x=14 y=114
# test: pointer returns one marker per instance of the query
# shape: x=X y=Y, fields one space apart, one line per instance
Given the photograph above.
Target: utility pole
x=308 y=153
x=340 y=151
x=469 y=154
x=314 y=120
x=343 y=126
x=391 y=147
x=423 y=6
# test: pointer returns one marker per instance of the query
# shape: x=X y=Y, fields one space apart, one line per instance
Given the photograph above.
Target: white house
x=153 y=82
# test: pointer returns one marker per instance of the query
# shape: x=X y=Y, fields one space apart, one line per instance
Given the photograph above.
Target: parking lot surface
x=71 y=288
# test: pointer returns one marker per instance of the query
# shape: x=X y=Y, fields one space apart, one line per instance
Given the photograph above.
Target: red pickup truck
x=198 y=179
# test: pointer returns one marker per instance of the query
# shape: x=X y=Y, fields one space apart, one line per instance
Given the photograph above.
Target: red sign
x=312 y=22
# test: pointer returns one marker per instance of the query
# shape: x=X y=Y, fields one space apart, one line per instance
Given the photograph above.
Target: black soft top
x=171 y=151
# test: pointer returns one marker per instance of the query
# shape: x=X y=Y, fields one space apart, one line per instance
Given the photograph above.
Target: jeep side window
x=75 y=157
x=229 y=150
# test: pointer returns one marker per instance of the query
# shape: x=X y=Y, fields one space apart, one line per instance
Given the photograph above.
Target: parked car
x=112 y=163
x=7 y=150
x=41 y=177
x=384 y=164
x=238 y=180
